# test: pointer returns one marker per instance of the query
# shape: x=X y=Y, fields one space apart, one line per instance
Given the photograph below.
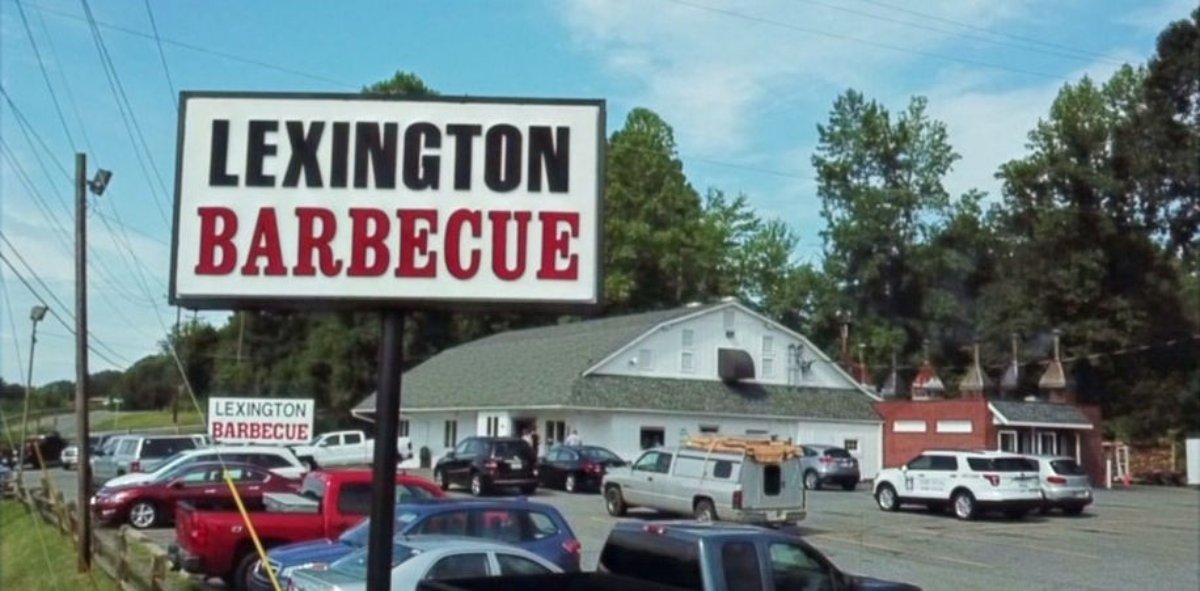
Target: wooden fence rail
x=126 y=555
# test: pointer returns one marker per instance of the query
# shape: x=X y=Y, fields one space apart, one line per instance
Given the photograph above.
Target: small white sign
x=326 y=200
x=271 y=421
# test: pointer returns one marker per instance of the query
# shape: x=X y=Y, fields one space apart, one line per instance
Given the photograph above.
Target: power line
x=55 y=314
x=841 y=37
x=87 y=141
x=206 y=50
x=45 y=76
x=909 y=11
x=123 y=105
x=161 y=55
x=1072 y=54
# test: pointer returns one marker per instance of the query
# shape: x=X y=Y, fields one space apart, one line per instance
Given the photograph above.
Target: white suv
x=968 y=481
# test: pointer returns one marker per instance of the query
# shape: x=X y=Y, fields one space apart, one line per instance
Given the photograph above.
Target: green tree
x=879 y=178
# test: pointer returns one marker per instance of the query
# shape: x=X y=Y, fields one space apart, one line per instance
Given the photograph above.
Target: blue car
x=536 y=527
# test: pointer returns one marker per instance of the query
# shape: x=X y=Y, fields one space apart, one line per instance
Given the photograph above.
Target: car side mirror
x=176 y=484
x=449 y=455
x=904 y=468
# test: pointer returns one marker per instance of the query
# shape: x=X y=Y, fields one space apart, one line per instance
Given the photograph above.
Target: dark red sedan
x=203 y=484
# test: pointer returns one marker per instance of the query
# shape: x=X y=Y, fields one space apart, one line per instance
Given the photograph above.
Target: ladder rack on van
x=766 y=452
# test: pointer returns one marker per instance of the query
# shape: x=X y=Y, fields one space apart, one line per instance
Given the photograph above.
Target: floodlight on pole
x=37 y=313
x=99 y=182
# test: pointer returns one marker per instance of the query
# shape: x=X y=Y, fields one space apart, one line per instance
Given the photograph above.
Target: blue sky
x=743 y=83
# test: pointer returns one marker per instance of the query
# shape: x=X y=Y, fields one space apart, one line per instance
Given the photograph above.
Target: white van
x=713 y=478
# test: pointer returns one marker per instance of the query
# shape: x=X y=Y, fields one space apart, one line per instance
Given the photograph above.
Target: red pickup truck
x=217 y=544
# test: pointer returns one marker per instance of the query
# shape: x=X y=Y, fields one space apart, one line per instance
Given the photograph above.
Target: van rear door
x=772 y=486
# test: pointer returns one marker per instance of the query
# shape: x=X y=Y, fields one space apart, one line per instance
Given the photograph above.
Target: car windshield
x=598 y=453
x=357 y=535
x=355 y=565
x=1067 y=468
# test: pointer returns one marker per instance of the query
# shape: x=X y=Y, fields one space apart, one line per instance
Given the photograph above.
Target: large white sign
x=260 y=420
x=345 y=199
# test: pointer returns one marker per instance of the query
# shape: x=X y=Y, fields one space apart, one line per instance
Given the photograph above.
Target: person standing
x=573 y=440
x=534 y=439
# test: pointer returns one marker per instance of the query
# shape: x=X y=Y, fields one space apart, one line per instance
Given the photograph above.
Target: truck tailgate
x=555 y=582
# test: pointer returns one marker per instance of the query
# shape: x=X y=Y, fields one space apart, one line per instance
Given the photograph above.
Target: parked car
x=692 y=556
x=1065 y=484
x=216 y=544
x=755 y=482
x=139 y=453
x=574 y=468
x=279 y=460
x=970 y=482
x=6 y=475
x=69 y=459
x=150 y=503
x=828 y=464
x=536 y=527
x=345 y=448
x=46 y=447
x=486 y=463
x=427 y=558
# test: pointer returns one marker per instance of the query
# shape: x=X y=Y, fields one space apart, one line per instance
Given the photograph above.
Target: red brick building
x=1052 y=424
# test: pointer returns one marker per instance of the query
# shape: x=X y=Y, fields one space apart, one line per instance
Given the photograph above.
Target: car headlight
x=287 y=571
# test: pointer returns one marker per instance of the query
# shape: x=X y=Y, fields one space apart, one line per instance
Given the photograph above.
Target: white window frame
x=1007 y=433
x=768 y=368
x=1053 y=441
x=955 y=426
x=402 y=428
x=687 y=338
x=851 y=445
x=450 y=433
x=910 y=426
x=687 y=362
x=645 y=359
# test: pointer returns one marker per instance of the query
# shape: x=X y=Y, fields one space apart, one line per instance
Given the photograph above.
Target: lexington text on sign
x=331 y=197
x=260 y=420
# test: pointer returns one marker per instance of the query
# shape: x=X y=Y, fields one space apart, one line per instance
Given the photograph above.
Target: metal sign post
x=383 y=484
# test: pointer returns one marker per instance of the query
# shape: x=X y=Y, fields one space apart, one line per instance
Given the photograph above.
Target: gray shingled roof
x=544 y=367
x=1040 y=412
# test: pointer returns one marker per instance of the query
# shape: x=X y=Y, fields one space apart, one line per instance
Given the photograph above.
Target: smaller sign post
x=270 y=421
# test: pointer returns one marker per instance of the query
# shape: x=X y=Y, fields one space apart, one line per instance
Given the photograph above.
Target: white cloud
x=714 y=73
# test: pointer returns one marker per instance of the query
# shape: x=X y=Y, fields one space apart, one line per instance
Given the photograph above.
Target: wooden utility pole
x=81 y=366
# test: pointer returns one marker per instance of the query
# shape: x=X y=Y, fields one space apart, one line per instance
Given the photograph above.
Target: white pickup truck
x=345 y=448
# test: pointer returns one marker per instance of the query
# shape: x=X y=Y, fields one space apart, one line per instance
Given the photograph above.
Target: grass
x=34 y=555
x=148 y=419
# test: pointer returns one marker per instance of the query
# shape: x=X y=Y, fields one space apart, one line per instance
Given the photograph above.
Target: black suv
x=486 y=463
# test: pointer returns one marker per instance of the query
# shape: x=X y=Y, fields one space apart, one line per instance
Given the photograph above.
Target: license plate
x=1083 y=493
x=516 y=464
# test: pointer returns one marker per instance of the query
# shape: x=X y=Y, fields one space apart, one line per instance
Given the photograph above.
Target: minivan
x=726 y=478
x=139 y=453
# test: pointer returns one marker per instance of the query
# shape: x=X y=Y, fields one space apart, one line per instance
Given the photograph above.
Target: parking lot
x=1145 y=537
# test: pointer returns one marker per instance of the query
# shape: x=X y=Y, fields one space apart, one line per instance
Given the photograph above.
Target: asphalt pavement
x=1143 y=537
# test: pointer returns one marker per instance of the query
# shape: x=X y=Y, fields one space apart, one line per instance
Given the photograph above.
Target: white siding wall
x=667 y=349
x=428 y=429
x=870 y=441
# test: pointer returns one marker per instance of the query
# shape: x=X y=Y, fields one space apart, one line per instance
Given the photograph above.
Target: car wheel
x=704 y=511
x=143 y=515
x=1072 y=511
x=477 y=487
x=886 y=497
x=442 y=479
x=245 y=569
x=614 y=501
x=570 y=483
x=964 y=505
x=812 y=481
x=309 y=464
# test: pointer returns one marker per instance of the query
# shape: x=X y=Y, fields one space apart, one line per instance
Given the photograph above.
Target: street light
x=36 y=314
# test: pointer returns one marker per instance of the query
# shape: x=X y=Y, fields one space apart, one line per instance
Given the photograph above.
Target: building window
x=402 y=428
x=1008 y=441
x=768 y=345
x=450 y=433
x=556 y=432
x=850 y=445
x=908 y=427
x=768 y=368
x=689 y=337
x=954 y=426
x=493 y=426
x=758 y=433
x=709 y=429
x=645 y=359
x=1047 y=443
x=652 y=437
x=687 y=362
